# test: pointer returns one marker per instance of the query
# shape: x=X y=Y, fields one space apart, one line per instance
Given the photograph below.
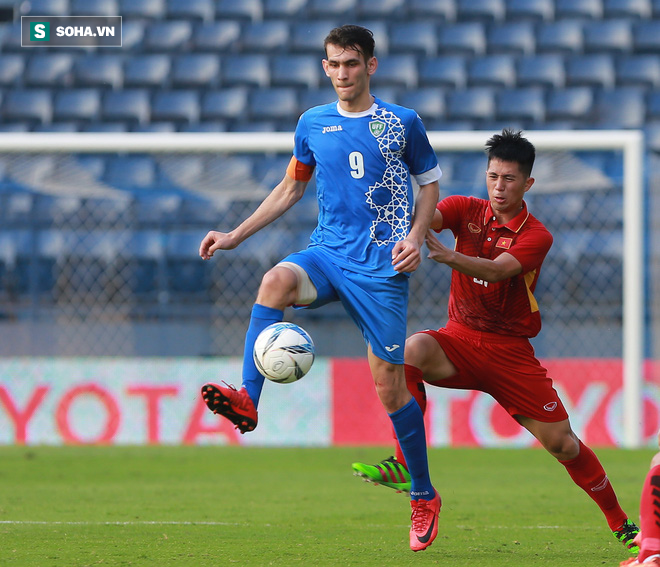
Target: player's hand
x=437 y=251
x=406 y=256
x=215 y=240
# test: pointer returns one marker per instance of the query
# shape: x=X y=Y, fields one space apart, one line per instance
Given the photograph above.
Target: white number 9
x=356 y=161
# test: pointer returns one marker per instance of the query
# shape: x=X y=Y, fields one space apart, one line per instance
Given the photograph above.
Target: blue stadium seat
x=32 y=106
x=482 y=10
x=130 y=106
x=546 y=70
x=307 y=36
x=12 y=67
x=49 y=70
x=196 y=70
x=428 y=102
x=56 y=127
x=245 y=10
x=187 y=277
x=439 y=11
x=631 y=9
x=132 y=34
x=274 y=104
x=317 y=97
x=251 y=70
x=622 y=107
x=144 y=9
x=130 y=172
x=225 y=104
x=467 y=38
x=94 y=8
x=168 y=35
x=471 y=104
x=414 y=37
x=573 y=103
x=588 y=9
x=267 y=36
x=396 y=70
x=653 y=105
x=44 y=8
x=144 y=263
x=195 y=10
x=151 y=70
x=104 y=126
x=216 y=37
x=559 y=37
x=380 y=8
x=492 y=70
x=180 y=106
x=652 y=134
x=284 y=9
x=608 y=36
x=98 y=71
x=517 y=38
x=207 y=126
x=337 y=9
x=641 y=70
x=447 y=71
x=253 y=126
x=165 y=127
x=527 y=105
x=292 y=70
x=534 y=10
x=646 y=36
x=80 y=105
x=596 y=70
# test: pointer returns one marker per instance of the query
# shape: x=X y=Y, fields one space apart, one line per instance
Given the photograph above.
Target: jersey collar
x=515 y=224
x=362 y=114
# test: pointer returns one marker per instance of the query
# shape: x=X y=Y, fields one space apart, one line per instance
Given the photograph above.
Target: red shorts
x=504 y=367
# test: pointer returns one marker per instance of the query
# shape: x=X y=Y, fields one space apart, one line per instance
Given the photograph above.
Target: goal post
x=630 y=144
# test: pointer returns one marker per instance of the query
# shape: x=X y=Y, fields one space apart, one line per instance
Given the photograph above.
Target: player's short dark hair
x=512 y=146
x=352 y=37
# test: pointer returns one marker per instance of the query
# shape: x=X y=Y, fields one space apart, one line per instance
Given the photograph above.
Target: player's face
x=507 y=186
x=350 y=75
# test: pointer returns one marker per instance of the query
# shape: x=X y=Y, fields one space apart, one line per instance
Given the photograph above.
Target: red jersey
x=507 y=307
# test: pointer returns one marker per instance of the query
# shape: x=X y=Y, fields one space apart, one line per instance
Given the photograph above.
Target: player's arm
x=286 y=194
x=503 y=267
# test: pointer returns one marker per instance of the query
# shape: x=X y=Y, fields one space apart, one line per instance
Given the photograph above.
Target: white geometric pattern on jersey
x=394 y=214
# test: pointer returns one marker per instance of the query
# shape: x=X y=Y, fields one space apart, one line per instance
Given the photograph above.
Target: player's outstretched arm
x=286 y=194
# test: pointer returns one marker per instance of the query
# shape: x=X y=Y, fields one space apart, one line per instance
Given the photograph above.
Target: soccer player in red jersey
x=485 y=345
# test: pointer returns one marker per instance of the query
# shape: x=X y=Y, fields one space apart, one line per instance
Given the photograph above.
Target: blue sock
x=260 y=318
x=408 y=423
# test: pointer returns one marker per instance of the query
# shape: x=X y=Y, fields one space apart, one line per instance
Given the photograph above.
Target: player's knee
x=563 y=447
x=278 y=288
x=415 y=350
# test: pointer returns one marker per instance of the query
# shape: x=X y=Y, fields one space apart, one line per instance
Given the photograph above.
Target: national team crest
x=376 y=127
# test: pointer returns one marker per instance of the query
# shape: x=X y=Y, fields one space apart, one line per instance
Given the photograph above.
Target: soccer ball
x=283 y=352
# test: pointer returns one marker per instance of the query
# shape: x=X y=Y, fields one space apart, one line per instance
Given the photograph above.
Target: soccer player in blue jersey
x=364 y=153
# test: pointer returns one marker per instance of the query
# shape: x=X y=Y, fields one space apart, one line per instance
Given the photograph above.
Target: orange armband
x=298 y=170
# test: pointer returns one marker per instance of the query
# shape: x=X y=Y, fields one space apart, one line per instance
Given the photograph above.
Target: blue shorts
x=379 y=306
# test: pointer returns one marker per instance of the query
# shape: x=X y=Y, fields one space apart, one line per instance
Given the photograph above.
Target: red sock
x=587 y=472
x=649 y=512
x=415 y=384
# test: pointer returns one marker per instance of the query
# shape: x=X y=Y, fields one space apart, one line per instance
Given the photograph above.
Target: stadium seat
x=44 y=8
x=132 y=33
x=344 y=9
x=187 y=277
x=573 y=103
x=307 y=36
x=56 y=127
x=284 y=9
x=98 y=71
x=251 y=70
x=439 y=11
x=396 y=70
x=414 y=37
x=596 y=70
x=622 y=107
x=180 y=106
x=245 y=10
x=94 y=8
x=317 y=97
x=526 y=105
x=144 y=263
x=559 y=37
x=49 y=70
x=428 y=102
x=105 y=126
x=534 y=10
x=517 y=38
x=380 y=9
x=196 y=70
x=144 y=9
x=608 y=36
x=471 y=104
x=646 y=36
x=168 y=35
x=546 y=70
x=80 y=105
x=253 y=126
x=631 y=9
x=266 y=37
x=588 y=9
x=155 y=127
x=32 y=106
x=467 y=38
x=130 y=172
x=273 y=104
x=206 y=126
x=195 y=10
x=292 y=70
x=225 y=104
x=151 y=70
x=653 y=105
x=216 y=37
x=481 y=10
x=12 y=67
x=130 y=106
x=492 y=70
x=641 y=70
x=447 y=71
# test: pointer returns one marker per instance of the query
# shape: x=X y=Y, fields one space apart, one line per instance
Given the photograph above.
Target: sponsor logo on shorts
x=392 y=348
x=552 y=406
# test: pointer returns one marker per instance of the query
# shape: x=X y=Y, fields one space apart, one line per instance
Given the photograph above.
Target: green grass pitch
x=220 y=506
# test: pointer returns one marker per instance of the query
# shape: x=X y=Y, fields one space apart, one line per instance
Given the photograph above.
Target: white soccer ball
x=283 y=352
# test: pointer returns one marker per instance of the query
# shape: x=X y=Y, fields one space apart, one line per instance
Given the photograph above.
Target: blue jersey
x=363 y=166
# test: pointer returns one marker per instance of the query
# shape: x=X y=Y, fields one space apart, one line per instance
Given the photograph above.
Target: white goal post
x=630 y=143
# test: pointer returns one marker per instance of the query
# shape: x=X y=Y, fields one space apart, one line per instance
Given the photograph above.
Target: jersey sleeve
x=420 y=157
x=531 y=248
x=452 y=209
x=301 y=150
